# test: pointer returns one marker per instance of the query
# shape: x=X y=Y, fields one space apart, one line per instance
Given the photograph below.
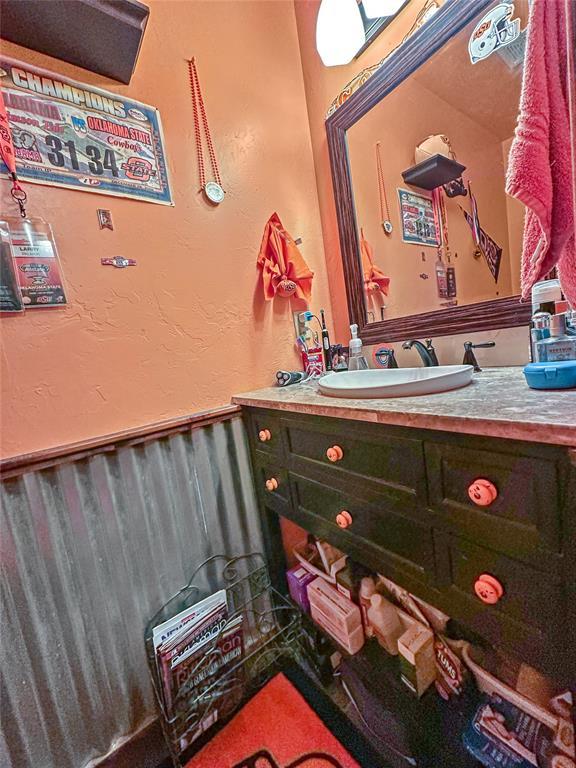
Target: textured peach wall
x=405 y=117
x=185 y=328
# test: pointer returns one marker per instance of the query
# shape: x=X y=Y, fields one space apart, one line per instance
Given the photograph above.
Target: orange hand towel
x=284 y=271
x=374 y=278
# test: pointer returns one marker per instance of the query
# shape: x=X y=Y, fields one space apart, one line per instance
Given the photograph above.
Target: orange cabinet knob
x=482 y=492
x=488 y=589
x=335 y=453
x=264 y=435
x=271 y=484
x=343 y=519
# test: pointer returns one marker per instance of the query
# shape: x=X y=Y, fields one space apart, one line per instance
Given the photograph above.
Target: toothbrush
x=325 y=343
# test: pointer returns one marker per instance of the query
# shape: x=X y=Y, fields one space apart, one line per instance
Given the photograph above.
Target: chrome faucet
x=427 y=353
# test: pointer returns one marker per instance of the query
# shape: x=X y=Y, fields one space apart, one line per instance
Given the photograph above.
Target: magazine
x=164 y=631
x=195 y=650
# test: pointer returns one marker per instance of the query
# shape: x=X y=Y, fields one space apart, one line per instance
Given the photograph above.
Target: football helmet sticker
x=494 y=30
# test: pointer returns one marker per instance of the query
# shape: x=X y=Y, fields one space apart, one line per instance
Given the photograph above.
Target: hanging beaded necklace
x=212 y=189
x=386 y=223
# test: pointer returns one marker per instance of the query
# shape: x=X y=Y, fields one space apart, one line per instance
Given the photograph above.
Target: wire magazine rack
x=271 y=629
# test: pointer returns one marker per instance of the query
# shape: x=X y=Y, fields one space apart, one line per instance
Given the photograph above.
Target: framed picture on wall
x=419 y=224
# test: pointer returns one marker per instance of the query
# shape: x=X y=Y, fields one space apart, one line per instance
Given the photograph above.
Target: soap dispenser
x=356 y=360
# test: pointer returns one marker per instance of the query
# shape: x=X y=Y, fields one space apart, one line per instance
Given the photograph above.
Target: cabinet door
x=368 y=530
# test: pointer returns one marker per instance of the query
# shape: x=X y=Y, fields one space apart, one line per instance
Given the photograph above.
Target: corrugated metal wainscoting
x=90 y=550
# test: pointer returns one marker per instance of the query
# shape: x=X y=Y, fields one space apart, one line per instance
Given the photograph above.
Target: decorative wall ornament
x=494 y=30
x=105 y=219
x=118 y=261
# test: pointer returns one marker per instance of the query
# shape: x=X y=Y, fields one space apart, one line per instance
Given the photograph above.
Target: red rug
x=276 y=729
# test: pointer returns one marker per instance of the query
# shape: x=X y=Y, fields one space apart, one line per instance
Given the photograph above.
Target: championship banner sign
x=73 y=135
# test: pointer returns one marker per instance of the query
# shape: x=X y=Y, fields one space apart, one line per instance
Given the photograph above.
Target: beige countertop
x=498 y=403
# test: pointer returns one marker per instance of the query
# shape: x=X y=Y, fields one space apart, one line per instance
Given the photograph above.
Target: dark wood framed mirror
x=442 y=39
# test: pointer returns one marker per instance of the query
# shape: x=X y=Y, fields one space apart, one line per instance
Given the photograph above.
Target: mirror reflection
x=428 y=167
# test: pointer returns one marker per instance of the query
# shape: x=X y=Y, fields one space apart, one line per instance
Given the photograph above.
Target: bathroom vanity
x=466 y=498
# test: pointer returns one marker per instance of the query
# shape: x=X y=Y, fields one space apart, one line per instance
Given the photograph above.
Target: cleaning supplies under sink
x=356 y=359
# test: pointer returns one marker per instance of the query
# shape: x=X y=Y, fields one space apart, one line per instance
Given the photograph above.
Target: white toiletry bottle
x=559 y=346
x=544 y=296
x=367 y=589
x=356 y=360
x=384 y=619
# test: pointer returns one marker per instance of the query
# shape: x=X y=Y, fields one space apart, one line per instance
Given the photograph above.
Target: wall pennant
x=490 y=250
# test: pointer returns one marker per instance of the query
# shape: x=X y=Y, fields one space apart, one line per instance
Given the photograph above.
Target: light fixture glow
x=376 y=8
x=339 y=31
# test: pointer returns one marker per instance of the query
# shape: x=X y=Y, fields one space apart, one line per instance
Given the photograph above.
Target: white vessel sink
x=396 y=382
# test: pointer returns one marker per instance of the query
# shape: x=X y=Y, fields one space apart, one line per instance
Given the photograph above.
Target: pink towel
x=539 y=166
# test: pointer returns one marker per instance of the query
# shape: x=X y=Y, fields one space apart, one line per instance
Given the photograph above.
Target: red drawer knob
x=488 y=589
x=482 y=492
x=271 y=484
x=343 y=519
x=335 y=453
x=264 y=435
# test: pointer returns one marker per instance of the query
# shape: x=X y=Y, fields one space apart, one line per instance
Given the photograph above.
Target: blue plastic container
x=560 y=375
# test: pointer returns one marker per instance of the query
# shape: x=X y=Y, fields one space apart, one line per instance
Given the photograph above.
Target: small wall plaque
x=118 y=261
x=105 y=219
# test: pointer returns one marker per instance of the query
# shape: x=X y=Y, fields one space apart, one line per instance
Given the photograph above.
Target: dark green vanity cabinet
x=406 y=493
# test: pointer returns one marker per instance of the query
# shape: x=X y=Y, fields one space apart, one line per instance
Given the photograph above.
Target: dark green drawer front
x=262 y=421
x=369 y=452
x=523 y=521
x=265 y=469
x=530 y=615
x=371 y=523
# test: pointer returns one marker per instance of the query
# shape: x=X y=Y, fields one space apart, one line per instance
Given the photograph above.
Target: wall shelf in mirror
x=407 y=100
x=433 y=172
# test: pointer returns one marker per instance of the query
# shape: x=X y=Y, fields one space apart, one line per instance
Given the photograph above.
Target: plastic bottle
x=384 y=619
x=545 y=294
x=442 y=278
x=367 y=589
x=356 y=360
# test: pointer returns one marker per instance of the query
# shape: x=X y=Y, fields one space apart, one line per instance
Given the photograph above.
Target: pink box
x=336 y=614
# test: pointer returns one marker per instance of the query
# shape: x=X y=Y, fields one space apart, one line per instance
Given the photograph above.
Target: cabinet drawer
x=271 y=480
x=379 y=454
x=528 y=617
x=264 y=429
x=370 y=525
x=522 y=520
